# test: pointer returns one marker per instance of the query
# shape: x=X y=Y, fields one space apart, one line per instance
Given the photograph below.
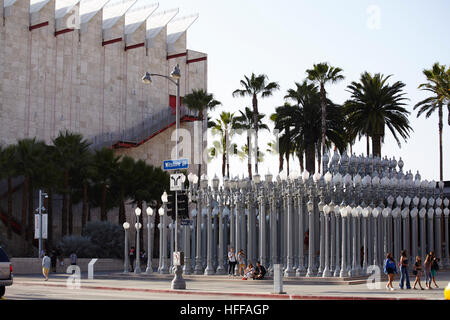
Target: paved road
x=155 y=287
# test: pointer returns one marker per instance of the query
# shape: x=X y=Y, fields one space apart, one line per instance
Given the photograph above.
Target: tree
x=223 y=127
x=438 y=84
x=201 y=101
x=105 y=164
x=8 y=171
x=253 y=87
x=375 y=104
x=122 y=183
x=29 y=152
x=321 y=74
x=71 y=152
x=246 y=121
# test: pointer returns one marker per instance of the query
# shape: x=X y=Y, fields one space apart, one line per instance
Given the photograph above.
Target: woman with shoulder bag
x=418 y=272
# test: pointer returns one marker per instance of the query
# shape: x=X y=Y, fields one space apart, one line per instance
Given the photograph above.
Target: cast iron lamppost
x=138 y=225
x=149 y=269
x=126 y=226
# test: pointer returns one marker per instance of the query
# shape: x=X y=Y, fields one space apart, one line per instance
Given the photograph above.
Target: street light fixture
x=126 y=226
x=149 y=269
x=137 y=270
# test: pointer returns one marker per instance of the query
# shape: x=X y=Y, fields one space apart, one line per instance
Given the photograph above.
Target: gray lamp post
x=375 y=212
x=209 y=237
x=126 y=226
x=138 y=226
x=163 y=214
x=344 y=212
x=326 y=211
x=149 y=269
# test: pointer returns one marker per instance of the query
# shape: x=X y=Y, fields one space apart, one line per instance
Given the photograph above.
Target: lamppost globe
x=215 y=182
x=149 y=211
x=164 y=197
x=137 y=211
x=268 y=177
x=257 y=178
x=317 y=176
x=161 y=211
x=305 y=175
x=328 y=177
x=126 y=225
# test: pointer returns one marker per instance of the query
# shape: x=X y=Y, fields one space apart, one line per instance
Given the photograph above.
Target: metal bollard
x=277 y=279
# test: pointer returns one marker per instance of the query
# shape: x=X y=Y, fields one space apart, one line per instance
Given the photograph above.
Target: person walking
x=231 y=262
x=73 y=259
x=390 y=269
x=427 y=267
x=434 y=268
x=46 y=263
x=404 y=270
x=241 y=261
x=418 y=272
x=132 y=255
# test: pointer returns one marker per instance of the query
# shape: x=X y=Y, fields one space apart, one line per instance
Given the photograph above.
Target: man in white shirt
x=46 y=263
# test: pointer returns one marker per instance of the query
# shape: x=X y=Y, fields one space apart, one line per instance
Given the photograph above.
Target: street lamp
x=149 y=269
x=138 y=225
x=126 y=226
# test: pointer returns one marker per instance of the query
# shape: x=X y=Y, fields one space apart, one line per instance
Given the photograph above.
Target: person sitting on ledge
x=249 y=272
x=260 y=271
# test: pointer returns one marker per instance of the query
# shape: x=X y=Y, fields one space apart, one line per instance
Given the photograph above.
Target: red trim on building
x=57 y=33
x=134 y=46
x=105 y=43
x=173 y=56
x=197 y=60
x=37 y=26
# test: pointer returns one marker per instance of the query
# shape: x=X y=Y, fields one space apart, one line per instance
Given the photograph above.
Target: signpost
x=177 y=181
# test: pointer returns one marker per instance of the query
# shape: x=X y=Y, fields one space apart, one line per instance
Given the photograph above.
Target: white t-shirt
x=231 y=257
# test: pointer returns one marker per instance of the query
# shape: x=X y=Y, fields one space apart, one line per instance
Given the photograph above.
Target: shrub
x=107 y=238
x=81 y=245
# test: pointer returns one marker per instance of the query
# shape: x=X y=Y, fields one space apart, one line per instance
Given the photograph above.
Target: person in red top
x=132 y=258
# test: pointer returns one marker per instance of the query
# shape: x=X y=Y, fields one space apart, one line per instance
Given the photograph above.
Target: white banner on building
x=44 y=226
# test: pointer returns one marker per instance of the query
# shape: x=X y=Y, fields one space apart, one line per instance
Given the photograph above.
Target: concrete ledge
x=34 y=265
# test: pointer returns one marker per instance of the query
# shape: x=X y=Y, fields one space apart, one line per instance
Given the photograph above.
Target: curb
x=214 y=293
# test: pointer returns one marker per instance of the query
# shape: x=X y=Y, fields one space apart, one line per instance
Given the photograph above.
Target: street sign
x=176 y=181
x=44 y=226
x=186 y=222
x=175 y=164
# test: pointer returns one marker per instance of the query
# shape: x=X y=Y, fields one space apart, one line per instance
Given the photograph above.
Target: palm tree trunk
x=281 y=160
x=224 y=161
x=84 y=209
x=64 y=205
x=287 y=163
x=441 y=170
x=9 y=213
x=324 y=117
x=319 y=160
x=30 y=212
x=103 y=216
x=70 y=213
x=255 y=119
x=311 y=158
x=249 y=158
x=300 y=160
x=376 y=145
x=368 y=144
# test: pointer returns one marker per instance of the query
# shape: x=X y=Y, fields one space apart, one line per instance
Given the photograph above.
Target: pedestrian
x=249 y=272
x=434 y=268
x=60 y=256
x=418 y=272
x=404 y=270
x=231 y=262
x=427 y=267
x=143 y=257
x=390 y=269
x=46 y=263
x=73 y=259
x=132 y=255
x=241 y=261
x=260 y=271
x=53 y=259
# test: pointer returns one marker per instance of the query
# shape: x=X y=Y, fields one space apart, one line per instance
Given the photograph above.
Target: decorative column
x=430 y=242
x=262 y=227
x=238 y=206
x=300 y=272
x=273 y=230
x=414 y=234
x=337 y=242
x=396 y=235
x=422 y=231
x=320 y=205
x=386 y=231
x=311 y=253
x=250 y=227
x=438 y=232
x=375 y=213
x=149 y=269
x=289 y=271
x=365 y=216
x=344 y=212
x=326 y=270
x=405 y=231
x=232 y=219
x=220 y=267
x=353 y=271
x=198 y=269
x=164 y=265
x=209 y=236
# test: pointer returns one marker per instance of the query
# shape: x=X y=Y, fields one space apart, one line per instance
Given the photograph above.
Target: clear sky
x=284 y=38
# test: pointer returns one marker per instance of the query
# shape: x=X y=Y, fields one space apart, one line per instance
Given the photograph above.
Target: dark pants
x=132 y=264
x=404 y=276
x=231 y=267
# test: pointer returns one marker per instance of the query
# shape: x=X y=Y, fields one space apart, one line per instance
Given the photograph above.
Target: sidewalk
x=223 y=287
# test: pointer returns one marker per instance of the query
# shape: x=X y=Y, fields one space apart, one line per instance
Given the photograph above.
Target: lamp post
x=138 y=226
x=126 y=226
x=149 y=269
x=163 y=214
x=41 y=194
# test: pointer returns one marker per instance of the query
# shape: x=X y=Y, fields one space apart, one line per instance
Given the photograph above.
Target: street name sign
x=175 y=164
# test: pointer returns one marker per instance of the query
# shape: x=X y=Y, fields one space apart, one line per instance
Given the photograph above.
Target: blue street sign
x=175 y=164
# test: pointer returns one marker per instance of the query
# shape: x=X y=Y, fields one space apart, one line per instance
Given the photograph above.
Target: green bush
x=106 y=237
x=82 y=246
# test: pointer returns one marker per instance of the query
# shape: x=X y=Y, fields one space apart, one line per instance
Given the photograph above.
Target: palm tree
x=201 y=101
x=246 y=121
x=321 y=74
x=375 y=104
x=123 y=183
x=71 y=151
x=8 y=171
x=105 y=164
x=438 y=85
x=28 y=154
x=256 y=86
x=224 y=126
